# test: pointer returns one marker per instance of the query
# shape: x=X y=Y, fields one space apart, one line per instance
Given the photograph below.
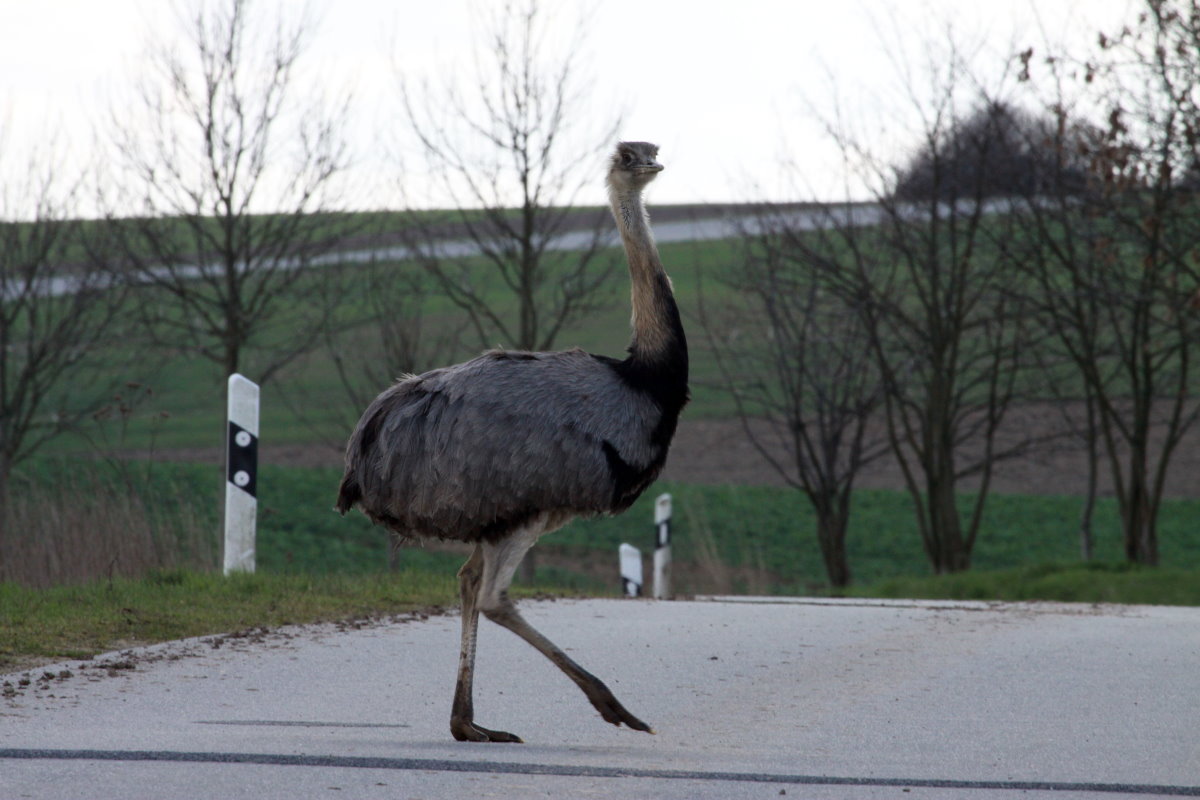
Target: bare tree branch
x=60 y=314
x=233 y=173
x=919 y=267
x=508 y=155
x=1116 y=267
x=796 y=361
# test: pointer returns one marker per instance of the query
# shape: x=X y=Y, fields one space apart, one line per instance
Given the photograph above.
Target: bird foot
x=467 y=731
x=612 y=711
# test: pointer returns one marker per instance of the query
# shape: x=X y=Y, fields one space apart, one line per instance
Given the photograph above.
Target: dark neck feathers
x=658 y=339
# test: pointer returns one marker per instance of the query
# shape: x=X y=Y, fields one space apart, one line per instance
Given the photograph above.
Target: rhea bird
x=503 y=449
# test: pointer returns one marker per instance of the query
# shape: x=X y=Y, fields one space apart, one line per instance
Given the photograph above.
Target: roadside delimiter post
x=631 y=570
x=241 y=474
x=662 y=547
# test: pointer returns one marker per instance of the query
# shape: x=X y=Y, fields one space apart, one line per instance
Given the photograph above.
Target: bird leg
x=597 y=693
x=499 y=563
x=462 y=713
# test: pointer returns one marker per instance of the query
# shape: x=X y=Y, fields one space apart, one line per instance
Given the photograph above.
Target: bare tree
x=58 y=310
x=509 y=155
x=933 y=295
x=797 y=363
x=1009 y=153
x=1116 y=268
x=232 y=171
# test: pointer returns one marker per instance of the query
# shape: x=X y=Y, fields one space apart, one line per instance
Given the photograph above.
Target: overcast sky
x=729 y=90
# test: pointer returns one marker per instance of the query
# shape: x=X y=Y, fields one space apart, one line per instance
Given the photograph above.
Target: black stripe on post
x=242 y=459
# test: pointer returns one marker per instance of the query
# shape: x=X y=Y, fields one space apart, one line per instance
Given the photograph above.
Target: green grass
x=774 y=528
x=1095 y=582
x=299 y=531
x=71 y=622
x=190 y=390
x=745 y=526
x=78 y=621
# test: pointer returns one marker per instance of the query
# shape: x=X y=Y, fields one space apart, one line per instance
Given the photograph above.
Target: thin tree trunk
x=831 y=533
x=5 y=479
x=1086 y=535
x=949 y=552
x=232 y=354
x=1138 y=522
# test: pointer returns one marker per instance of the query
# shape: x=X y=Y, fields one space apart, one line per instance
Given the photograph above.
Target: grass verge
x=79 y=621
x=1094 y=582
x=76 y=622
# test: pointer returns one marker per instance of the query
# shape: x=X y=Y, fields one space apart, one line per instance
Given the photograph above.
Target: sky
x=731 y=91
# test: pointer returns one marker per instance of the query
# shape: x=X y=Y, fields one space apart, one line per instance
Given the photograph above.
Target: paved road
x=750 y=700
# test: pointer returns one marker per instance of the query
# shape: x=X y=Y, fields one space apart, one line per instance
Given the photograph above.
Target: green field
x=316 y=565
x=726 y=538
x=762 y=534
x=306 y=403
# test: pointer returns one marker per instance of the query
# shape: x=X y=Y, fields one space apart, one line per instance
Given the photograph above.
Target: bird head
x=633 y=165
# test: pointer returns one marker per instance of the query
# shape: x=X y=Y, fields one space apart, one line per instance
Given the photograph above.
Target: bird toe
x=470 y=732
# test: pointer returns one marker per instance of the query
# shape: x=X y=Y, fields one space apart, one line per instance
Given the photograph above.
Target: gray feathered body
x=471 y=451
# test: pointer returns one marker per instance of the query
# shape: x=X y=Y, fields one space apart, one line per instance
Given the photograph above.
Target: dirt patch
x=718 y=452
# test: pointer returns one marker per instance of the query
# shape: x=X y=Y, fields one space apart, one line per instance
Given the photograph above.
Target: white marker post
x=631 y=570
x=662 y=547
x=241 y=475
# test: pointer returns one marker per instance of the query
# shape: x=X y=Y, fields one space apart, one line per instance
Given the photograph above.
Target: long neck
x=658 y=336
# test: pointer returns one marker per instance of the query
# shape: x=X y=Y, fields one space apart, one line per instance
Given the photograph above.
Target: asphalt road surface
x=795 y=698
